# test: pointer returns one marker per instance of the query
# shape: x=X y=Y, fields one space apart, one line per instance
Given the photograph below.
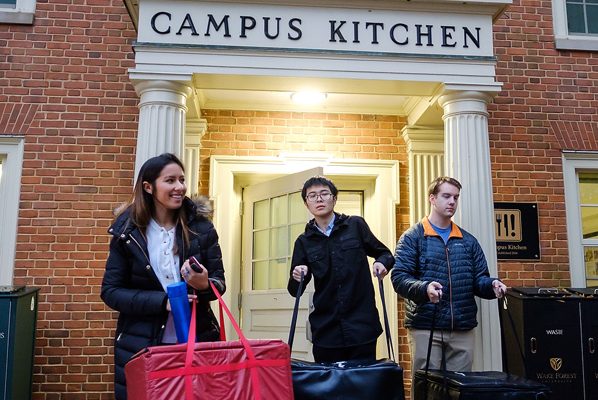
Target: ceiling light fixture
x=308 y=98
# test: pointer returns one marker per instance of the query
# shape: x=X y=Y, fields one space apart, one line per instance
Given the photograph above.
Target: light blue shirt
x=329 y=227
x=443 y=232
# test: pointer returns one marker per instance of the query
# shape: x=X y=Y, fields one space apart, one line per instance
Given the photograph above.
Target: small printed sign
x=517 y=231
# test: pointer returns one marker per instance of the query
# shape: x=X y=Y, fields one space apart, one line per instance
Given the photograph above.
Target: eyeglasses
x=313 y=197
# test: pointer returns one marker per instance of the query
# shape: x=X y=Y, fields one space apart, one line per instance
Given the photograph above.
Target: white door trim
x=228 y=174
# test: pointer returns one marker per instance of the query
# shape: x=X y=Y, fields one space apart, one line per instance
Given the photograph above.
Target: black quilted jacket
x=345 y=311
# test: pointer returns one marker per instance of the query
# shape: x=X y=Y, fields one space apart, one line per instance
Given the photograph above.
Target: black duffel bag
x=347 y=380
x=382 y=379
x=436 y=384
x=440 y=384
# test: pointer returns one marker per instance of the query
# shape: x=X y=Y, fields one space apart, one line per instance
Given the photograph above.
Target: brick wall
x=64 y=86
x=262 y=133
x=549 y=103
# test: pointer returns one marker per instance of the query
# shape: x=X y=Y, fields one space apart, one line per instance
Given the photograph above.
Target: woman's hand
x=197 y=280
x=191 y=297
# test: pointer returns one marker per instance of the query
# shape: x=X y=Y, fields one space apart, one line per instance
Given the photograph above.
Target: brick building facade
x=67 y=98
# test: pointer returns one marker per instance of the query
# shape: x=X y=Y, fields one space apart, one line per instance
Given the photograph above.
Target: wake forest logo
x=556 y=363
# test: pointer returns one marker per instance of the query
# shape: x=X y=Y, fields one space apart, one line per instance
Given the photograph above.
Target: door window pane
x=279 y=210
x=273 y=239
x=279 y=242
x=260 y=245
x=294 y=231
x=11 y=3
x=279 y=273
x=296 y=208
x=260 y=214
x=260 y=274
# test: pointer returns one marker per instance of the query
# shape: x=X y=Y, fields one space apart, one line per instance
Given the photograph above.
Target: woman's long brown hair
x=141 y=205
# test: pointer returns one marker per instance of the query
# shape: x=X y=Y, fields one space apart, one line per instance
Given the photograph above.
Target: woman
x=153 y=238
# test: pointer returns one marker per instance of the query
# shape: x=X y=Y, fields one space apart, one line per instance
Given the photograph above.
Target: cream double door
x=273 y=217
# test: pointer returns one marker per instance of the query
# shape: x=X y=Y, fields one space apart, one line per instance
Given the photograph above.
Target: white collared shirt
x=160 y=245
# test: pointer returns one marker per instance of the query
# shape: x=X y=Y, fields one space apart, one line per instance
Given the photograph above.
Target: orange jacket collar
x=429 y=230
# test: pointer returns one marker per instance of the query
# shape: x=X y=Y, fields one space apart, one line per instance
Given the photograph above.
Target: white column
x=467 y=158
x=195 y=131
x=162 y=113
x=425 y=148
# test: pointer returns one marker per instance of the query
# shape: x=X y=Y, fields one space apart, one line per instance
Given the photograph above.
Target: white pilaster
x=425 y=148
x=467 y=158
x=195 y=131
x=162 y=110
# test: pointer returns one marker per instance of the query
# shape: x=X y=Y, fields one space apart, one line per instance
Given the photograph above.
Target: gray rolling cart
x=18 y=316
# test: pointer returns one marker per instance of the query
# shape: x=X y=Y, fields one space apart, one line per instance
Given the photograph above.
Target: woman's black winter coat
x=131 y=287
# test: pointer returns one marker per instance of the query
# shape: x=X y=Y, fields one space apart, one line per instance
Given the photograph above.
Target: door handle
x=533 y=345
x=591 y=346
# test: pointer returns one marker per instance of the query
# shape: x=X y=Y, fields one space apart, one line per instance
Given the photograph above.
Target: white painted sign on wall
x=315 y=29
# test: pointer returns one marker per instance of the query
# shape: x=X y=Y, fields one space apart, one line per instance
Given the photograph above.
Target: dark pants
x=364 y=352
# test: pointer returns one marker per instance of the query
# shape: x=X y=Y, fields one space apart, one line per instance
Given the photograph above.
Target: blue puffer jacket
x=459 y=266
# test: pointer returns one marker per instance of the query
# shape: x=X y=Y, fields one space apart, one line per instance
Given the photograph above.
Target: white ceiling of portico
x=237 y=92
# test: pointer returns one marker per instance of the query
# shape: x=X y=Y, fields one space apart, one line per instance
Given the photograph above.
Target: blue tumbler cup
x=181 y=313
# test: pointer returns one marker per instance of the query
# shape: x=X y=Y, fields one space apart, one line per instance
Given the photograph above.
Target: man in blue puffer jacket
x=439 y=269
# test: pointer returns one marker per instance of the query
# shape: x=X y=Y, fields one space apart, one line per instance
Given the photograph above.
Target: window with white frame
x=17 y=11
x=11 y=164
x=575 y=24
x=588 y=197
x=581 y=202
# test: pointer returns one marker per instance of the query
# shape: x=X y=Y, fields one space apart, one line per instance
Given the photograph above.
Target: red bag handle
x=222 y=332
x=191 y=346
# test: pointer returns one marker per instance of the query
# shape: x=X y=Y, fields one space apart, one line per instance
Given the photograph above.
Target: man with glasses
x=334 y=250
x=438 y=262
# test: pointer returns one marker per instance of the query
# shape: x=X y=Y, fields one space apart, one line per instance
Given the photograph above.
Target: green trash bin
x=18 y=316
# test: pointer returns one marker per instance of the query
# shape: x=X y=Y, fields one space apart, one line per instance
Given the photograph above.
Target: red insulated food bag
x=243 y=369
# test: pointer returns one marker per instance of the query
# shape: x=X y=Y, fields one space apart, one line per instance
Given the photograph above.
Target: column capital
x=196 y=129
x=465 y=102
x=424 y=139
x=160 y=92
